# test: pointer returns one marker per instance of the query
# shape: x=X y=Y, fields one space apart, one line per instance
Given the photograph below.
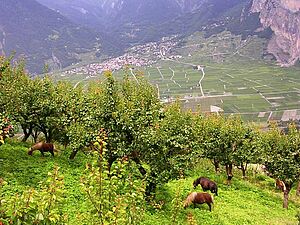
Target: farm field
x=223 y=71
x=246 y=201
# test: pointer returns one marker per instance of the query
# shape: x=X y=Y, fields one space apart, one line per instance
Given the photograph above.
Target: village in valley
x=137 y=56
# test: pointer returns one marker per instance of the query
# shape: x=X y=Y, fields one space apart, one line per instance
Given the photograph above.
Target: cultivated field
x=223 y=71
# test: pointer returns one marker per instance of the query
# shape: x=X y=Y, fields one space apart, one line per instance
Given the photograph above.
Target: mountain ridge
x=41 y=35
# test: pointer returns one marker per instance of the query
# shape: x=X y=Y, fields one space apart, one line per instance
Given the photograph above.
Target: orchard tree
x=18 y=95
x=137 y=128
x=282 y=157
x=221 y=138
x=48 y=106
x=168 y=146
x=209 y=136
x=247 y=149
x=123 y=109
x=231 y=135
x=73 y=105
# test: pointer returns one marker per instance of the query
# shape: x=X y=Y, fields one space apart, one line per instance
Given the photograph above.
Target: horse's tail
x=189 y=200
x=212 y=199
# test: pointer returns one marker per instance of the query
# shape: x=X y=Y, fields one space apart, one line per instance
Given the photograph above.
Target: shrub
x=36 y=207
x=116 y=194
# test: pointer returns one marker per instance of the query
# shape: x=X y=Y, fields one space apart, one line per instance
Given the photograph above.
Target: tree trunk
x=25 y=132
x=140 y=167
x=229 y=172
x=48 y=136
x=286 y=196
x=73 y=154
x=111 y=160
x=151 y=187
x=285 y=199
x=26 y=136
x=216 y=164
x=47 y=133
x=298 y=189
x=35 y=134
x=244 y=169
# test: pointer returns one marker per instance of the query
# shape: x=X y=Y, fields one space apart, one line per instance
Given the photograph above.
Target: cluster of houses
x=138 y=56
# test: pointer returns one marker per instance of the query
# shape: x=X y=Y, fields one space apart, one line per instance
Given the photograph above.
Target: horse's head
x=215 y=190
x=30 y=151
x=196 y=182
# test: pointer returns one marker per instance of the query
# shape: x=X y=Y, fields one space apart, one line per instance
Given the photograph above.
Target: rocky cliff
x=283 y=17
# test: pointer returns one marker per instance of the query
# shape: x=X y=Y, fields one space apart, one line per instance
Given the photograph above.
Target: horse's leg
x=52 y=153
x=42 y=152
x=209 y=205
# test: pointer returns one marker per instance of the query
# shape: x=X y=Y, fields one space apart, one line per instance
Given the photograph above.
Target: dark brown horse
x=199 y=198
x=43 y=147
x=206 y=185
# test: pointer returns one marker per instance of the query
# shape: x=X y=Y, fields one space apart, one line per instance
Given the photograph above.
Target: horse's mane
x=189 y=200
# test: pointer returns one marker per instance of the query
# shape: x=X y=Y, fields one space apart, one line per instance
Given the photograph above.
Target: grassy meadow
x=246 y=201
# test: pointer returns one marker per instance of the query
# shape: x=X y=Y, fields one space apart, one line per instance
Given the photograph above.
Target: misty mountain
x=56 y=31
x=42 y=35
x=112 y=12
x=85 y=12
x=139 y=21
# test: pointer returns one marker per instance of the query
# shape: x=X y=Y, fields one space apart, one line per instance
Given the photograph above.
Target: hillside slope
x=42 y=35
x=251 y=201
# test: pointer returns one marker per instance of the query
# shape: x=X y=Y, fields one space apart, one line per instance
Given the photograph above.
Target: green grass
x=250 y=201
x=22 y=171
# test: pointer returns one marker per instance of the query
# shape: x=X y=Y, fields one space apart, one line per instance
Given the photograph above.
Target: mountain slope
x=41 y=35
x=283 y=17
x=108 y=12
x=139 y=21
x=85 y=12
x=125 y=20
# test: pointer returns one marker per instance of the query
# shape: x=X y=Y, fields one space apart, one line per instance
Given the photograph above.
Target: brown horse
x=280 y=185
x=206 y=185
x=199 y=198
x=43 y=147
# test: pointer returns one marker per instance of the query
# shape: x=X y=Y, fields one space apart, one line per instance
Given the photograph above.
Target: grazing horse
x=206 y=184
x=280 y=185
x=199 y=198
x=43 y=147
